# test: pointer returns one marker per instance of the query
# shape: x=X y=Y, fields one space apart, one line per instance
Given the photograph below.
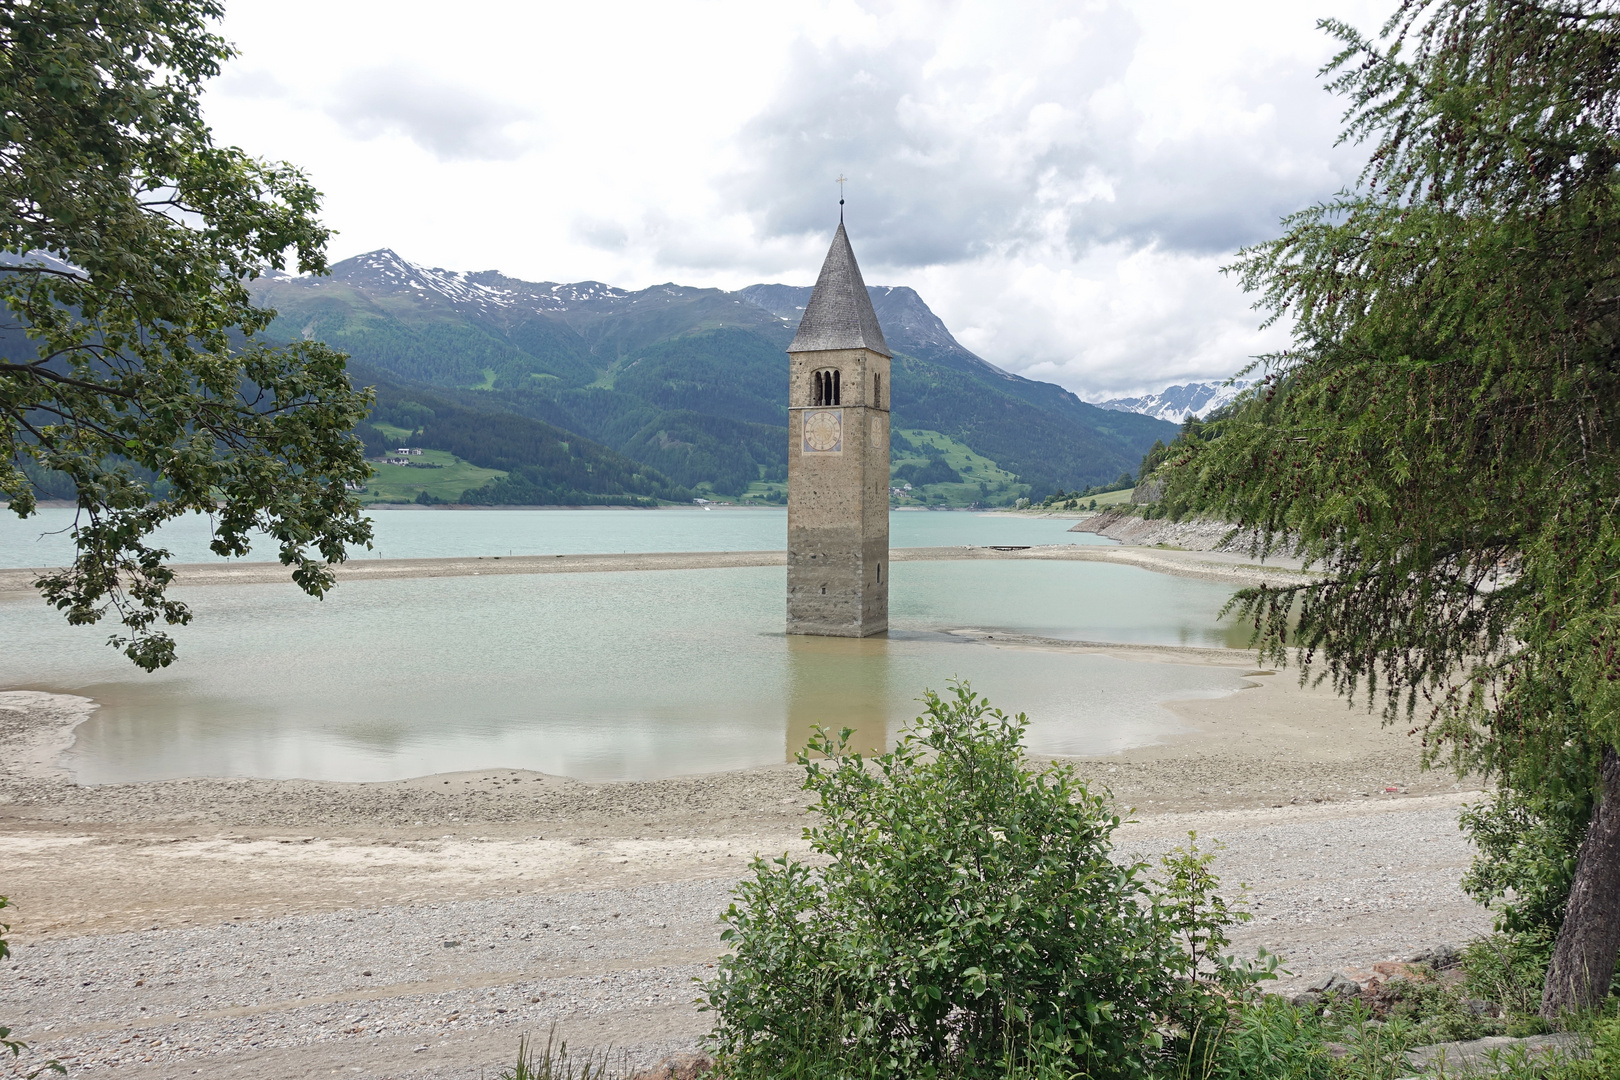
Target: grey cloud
x=947 y=164
x=684 y=244
x=453 y=123
x=924 y=187
x=600 y=233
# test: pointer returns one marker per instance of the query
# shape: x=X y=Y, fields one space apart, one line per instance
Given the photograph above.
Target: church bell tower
x=838 y=458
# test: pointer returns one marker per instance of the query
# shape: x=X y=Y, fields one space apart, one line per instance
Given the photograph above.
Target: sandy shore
x=416 y=928
x=1236 y=570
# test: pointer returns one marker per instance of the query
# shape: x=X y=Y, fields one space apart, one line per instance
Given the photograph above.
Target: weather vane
x=841 y=182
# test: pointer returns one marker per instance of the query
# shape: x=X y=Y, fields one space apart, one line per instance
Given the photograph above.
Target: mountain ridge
x=665 y=374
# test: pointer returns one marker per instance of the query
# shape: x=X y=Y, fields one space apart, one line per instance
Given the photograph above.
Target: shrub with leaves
x=1508 y=969
x=1527 y=840
x=969 y=920
x=555 y=1063
x=1268 y=1039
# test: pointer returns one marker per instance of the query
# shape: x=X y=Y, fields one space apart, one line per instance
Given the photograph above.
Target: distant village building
x=838 y=458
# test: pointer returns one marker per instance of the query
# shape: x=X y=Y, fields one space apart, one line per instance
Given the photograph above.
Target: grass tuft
x=555 y=1063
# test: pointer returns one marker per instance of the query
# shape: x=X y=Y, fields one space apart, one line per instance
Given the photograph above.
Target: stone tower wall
x=838 y=502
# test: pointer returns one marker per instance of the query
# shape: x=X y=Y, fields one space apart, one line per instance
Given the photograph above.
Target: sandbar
x=1237 y=570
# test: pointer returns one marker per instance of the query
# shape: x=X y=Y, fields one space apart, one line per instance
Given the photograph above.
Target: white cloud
x=1113 y=323
x=449 y=121
x=1060 y=181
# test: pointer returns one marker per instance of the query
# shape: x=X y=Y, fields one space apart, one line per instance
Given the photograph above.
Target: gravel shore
x=444 y=989
x=263 y=929
x=420 y=990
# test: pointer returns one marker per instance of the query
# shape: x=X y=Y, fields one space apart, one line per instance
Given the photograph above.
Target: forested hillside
x=545 y=465
x=683 y=386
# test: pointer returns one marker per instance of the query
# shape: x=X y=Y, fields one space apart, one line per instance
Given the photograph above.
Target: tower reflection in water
x=837 y=682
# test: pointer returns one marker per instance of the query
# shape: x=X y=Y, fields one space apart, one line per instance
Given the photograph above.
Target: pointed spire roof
x=839 y=314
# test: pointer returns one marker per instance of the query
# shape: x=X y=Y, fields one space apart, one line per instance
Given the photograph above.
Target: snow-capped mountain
x=1176 y=403
x=907 y=321
x=483 y=289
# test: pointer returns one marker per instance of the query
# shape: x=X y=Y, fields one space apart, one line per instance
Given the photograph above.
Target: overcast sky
x=1060 y=181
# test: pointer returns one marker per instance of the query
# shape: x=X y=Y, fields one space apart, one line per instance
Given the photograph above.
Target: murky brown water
x=604 y=676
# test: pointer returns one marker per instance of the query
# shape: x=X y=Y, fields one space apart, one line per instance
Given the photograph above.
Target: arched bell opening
x=824 y=387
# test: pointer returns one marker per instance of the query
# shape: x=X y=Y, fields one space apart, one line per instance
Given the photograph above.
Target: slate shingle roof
x=839 y=314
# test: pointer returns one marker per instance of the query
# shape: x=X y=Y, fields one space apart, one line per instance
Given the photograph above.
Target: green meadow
x=944 y=472
x=438 y=472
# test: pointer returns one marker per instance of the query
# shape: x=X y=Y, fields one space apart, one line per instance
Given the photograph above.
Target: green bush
x=555 y=1063
x=1436 y=1009
x=1266 y=1038
x=966 y=919
x=1597 y=1058
x=1502 y=970
x=1604 y=1057
x=1526 y=843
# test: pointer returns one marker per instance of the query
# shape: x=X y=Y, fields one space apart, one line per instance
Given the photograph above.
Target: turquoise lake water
x=614 y=675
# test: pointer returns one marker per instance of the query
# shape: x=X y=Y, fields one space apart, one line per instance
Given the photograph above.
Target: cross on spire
x=842 y=180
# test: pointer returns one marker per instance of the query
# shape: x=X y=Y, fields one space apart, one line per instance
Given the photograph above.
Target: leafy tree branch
x=133 y=366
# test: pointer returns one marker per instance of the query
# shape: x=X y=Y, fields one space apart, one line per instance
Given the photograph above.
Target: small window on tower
x=877 y=391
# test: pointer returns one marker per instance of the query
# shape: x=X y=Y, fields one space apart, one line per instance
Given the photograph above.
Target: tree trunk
x=1589 y=941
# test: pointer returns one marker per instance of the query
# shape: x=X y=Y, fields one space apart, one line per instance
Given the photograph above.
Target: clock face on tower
x=823 y=431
